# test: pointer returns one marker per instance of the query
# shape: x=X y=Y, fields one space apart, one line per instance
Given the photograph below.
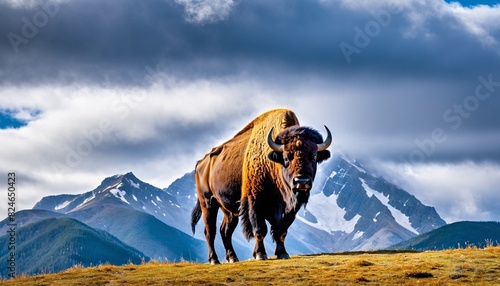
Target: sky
x=89 y=89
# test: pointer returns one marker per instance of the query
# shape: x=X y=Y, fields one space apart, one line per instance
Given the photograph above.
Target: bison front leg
x=279 y=230
x=259 y=231
x=254 y=225
x=259 y=251
x=280 y=251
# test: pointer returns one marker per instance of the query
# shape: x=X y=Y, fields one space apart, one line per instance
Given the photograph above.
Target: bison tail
x=245 y=219
x=195 y=215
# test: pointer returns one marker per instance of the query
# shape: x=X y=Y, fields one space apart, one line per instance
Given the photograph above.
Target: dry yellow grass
x=449 y=267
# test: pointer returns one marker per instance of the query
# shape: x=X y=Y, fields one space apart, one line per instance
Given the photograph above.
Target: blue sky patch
x=10 y=119
x=475 y=3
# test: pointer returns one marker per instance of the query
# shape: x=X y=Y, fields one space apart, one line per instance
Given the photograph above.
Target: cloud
x=464 y=191
x=430 y=20
x=206 y=11
x=478 y=20
x=30 y=3
x=85 y=134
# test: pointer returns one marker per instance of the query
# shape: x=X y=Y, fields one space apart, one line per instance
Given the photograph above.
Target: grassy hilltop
x=461 y=266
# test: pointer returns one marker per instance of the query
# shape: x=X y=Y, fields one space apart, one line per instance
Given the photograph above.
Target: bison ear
x=276 y=157
x=323 y=155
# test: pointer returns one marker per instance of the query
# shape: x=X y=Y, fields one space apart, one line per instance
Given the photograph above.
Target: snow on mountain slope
x=400 y=217
x=362 y=210
x=320 y=204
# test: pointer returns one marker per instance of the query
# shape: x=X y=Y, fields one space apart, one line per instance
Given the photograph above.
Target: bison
x=258 y=178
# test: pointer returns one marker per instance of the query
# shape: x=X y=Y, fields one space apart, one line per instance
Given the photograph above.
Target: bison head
x=299 y=150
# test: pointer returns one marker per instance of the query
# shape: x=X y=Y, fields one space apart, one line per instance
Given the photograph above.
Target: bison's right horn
x=275 y=146
x=328 y=141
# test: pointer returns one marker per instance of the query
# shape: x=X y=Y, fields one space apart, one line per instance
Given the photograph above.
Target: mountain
x=55 y=244
x=361 y=210
x=26 y=217
x=350 y=208
x=455 y=235
x=119 y=190
x=135 y=212
x=144 y=232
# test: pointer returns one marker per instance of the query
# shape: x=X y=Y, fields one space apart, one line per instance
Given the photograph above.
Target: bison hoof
x=261 y=257
x=233 y=260
x=284 y=256
x=214 y=261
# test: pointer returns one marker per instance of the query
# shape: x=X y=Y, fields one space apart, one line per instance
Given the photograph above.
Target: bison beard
x=257 y=178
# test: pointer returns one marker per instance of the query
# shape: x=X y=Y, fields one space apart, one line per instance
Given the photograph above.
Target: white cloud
x=206 y=11
x=375 y=5
x=31 y=3
x=86 y=133
x=26 y=114
x=459 y=191
x=480 y=21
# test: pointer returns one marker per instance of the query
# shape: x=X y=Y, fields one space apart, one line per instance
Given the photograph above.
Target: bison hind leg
x=209 y=212
x=227 y=228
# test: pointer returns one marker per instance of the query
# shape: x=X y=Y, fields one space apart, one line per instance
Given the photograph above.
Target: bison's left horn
x=328 y=141
x=275 y=146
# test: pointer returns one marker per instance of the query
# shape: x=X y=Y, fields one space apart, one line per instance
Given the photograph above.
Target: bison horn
x=275 y=146
x=328 y=141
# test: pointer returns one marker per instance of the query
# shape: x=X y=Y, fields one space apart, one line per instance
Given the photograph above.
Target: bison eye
x=314 y=156
x=287 y=158
x=286 y=162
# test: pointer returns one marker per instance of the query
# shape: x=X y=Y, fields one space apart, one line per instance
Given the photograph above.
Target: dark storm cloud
x=88 y=40
x=113 y=41
x=119 y=38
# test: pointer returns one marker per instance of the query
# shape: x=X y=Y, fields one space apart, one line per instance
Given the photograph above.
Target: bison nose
x=302 y=182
